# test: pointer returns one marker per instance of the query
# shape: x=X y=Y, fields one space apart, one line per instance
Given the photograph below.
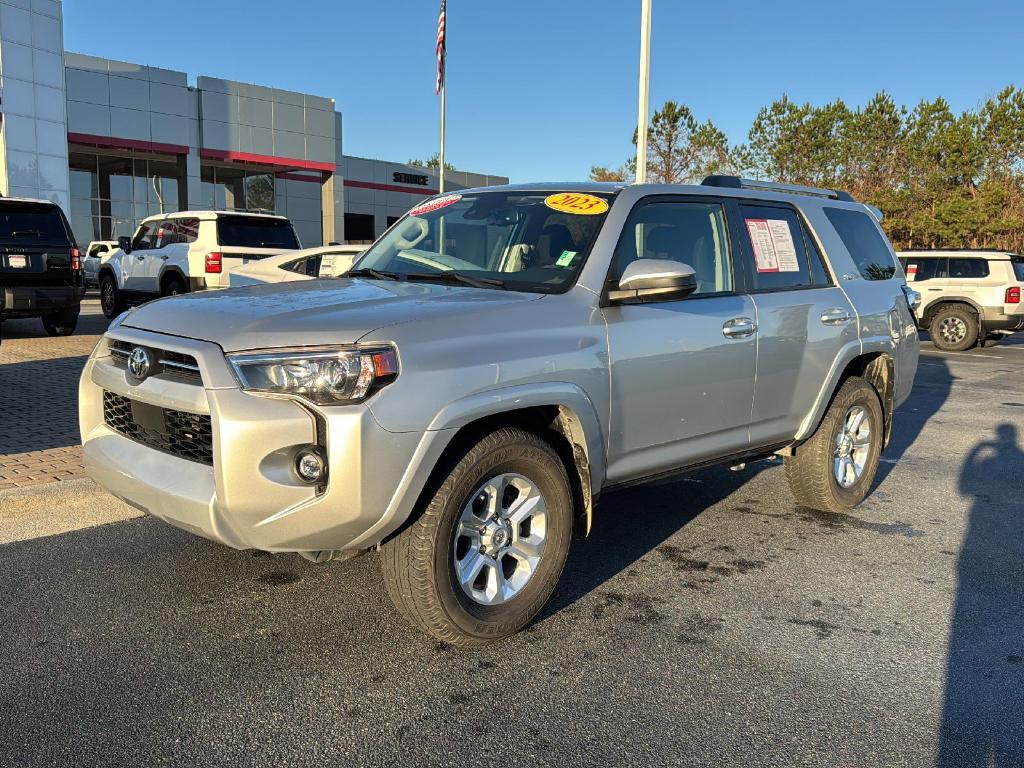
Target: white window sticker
x=911 y=272
x=774 y=250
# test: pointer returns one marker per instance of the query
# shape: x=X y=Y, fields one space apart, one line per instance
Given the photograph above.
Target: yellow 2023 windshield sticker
x=574 y=202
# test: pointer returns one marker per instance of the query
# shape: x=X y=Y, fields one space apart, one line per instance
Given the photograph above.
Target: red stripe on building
x=298 y=177
x=113 y=142
x=278 y=162
x=390 y=187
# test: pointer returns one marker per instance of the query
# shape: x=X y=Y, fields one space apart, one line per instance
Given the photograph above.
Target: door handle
x=835 y=316
x=739 y=327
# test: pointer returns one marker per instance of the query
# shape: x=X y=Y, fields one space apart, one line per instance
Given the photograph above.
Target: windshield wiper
x=376 y=274
x=455 y=277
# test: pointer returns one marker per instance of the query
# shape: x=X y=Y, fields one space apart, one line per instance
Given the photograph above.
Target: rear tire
x=954 y=329
x=110 y=297
x=173 y=286
x=847 y=445
x=506 y=506
x=61 y=323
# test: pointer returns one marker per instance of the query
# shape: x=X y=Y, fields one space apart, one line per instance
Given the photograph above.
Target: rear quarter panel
x=884 y=321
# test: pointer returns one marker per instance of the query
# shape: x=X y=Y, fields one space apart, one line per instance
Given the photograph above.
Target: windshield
x=522 y=241
x=32 y=224
x=256 y=232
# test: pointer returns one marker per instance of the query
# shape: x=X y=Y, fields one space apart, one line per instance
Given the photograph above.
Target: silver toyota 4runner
x=498 y=359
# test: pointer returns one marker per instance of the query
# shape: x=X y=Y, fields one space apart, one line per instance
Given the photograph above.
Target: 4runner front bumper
x=190 y=447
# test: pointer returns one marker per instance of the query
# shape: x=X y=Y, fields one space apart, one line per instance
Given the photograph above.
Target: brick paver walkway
x=39 y=440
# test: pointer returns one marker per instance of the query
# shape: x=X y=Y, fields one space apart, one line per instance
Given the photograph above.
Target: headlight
x=322 y=376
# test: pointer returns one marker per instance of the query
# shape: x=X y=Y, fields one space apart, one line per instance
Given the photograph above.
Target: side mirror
x=913 y=298
x=648 y=280
x=124 y=243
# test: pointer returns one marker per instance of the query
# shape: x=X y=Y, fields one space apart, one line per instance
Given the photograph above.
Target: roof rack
x=735 y=182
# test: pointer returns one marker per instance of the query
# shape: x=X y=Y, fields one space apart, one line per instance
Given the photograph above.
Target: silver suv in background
x=494 y=363
x=966 y=296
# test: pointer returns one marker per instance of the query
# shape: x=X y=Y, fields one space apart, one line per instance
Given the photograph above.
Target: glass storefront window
x=259 y=192
x=112 y=191
x=236 y=189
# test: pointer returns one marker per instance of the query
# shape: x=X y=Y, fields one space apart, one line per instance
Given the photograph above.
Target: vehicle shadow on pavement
x=984 y=695
x=630 y=523
x=932 y=388
x=32 y=328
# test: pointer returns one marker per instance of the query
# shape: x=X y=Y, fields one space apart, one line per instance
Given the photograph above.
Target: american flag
x=440 y=50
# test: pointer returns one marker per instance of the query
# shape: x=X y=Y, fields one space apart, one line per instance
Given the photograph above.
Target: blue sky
x=541 y=89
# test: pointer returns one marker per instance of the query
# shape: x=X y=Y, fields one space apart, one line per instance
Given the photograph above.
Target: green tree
x=679 y=150
x=434 y=161
x=601 y=173
x=942 y=179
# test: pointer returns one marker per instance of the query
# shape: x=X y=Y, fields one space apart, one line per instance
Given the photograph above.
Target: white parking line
x=974 y=355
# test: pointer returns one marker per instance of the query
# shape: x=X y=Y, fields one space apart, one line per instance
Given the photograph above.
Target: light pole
x=645 y=82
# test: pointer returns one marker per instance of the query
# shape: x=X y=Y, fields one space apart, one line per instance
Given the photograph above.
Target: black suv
x=40 y=267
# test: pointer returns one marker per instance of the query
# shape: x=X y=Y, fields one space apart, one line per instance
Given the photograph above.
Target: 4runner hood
x=314 y=312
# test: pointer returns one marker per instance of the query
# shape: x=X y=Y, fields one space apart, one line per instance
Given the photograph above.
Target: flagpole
x=441 y=154
x=645 y=82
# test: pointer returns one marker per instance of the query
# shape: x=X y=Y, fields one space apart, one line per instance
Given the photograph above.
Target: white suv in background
x=97 y=252
x=966 y=296
x=188 y=251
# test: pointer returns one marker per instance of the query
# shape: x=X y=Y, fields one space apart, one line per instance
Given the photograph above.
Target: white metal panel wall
x=33 y=140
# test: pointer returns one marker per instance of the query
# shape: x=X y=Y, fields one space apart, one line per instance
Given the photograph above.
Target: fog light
x=310 y=466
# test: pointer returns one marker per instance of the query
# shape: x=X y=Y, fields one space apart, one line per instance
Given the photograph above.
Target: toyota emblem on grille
x=139 y=363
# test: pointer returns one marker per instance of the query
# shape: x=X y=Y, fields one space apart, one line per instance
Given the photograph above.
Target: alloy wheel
x=500 y=538
x=852 y=446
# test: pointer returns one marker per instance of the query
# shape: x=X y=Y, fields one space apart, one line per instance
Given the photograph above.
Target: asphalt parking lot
x=708 y=621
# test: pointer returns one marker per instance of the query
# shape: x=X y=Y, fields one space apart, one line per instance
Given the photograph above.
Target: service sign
x=576 y=203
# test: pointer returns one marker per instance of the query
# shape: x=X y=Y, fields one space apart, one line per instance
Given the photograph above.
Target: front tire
x=834 y=469
x=954 y=329
x=483 y=558
x=110 y=297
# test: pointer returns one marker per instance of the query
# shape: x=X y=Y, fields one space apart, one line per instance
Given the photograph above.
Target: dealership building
x=114 y=142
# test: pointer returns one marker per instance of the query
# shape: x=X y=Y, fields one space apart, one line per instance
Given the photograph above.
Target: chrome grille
x=169 y=364
x=185 y=435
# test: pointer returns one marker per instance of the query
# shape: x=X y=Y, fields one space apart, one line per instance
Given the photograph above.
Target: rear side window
x=968 y=268
x=778 y=257
x=920 y=269
x=179 y=231
x=865 y=243
x=256 y=232
x=1018 y=268
x=32 y=224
